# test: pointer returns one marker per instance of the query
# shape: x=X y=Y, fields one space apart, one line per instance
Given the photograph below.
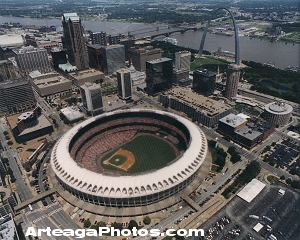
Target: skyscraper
x=233 y=78
x=124 y=84
x=73 y=40
x=16 y=96
x=183 y=60
x=204 y=81
x=113 y=58
x=159 y=74
x=58 y=57
x=139 y=56
x=30 y=59
x=91 y=98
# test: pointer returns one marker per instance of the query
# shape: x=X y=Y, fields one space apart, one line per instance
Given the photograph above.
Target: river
x=279 y=53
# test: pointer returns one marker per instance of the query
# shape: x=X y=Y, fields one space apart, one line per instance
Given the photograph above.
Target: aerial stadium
x=128 y=158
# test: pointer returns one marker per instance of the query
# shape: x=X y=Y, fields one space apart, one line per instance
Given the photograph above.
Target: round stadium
x=128 y=158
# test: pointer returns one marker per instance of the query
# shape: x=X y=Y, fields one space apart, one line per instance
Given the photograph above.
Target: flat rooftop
x=48 y=79
x=72 y=114
x=251 y=190
x=159 y=60
x=233 y=120
x=86 y=73
x=205 y=104
x=248 y=133
x=43 y=122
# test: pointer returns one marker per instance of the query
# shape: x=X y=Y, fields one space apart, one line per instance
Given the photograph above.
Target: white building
x=278 y=113
x=91 y=98
x=124 y=84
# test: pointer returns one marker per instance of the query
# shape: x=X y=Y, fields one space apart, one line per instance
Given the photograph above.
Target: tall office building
x=204 y=81
x=113 y=58
x=16 y=96
x=183 y=60
x=91 y=98
x=74 y=41
x=139 y=56
x=30 y=59
x=95 y=53
x=159 y=74
x=103 y=39
x=98 y=38
x=124 y=84
x=7 y=70
x=233 y=78
x=59 y=56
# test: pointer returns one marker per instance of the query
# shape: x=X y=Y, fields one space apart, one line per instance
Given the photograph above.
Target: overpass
x=34 y=199
x=190 y=202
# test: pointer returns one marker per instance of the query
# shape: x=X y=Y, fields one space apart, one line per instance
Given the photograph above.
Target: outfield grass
x=151 y=153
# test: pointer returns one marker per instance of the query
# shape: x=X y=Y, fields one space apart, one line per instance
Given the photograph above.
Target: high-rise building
x=74 y=41
x=91 y=98
x=16 y=96
x=98 y=38
x=95 y=52
x=183 y=60
x=159 y=74
x=59 y=56
x=103 y=39
x=7 y=70
x=233 y=78
x=139 y=56
x=124 y=84
x=128 y=43
x=30 y=59
x=113 y=58
x=204 y=81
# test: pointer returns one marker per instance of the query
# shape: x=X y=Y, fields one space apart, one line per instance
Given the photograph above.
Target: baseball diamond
x=129 y=158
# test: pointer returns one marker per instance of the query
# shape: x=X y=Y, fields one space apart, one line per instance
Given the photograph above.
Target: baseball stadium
x=128 y=158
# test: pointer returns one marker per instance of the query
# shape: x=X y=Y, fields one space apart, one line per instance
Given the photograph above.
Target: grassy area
x=276 y=82
x=251 y=171
x=272 y=179
x=218 y=157
x=151 y=152
x=207 y=60
x=292 y=37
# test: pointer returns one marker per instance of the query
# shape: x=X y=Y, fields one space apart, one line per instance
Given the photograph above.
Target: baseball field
x=145 y=152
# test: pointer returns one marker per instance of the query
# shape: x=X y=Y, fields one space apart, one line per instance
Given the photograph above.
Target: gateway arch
x=236 y=37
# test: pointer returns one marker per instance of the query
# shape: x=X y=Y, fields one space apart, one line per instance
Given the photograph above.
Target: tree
x=87 y=223
x=132 y=224
x=117 y=225
x=231 y=150
x=282 y=177
x=235 y=157
x=147 y=220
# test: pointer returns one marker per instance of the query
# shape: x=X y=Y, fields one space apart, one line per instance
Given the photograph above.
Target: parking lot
x=277 y=215
x=283 y=154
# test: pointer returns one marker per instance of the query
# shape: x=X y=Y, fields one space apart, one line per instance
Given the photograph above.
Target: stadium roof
x=114 y=186
x=251 y=190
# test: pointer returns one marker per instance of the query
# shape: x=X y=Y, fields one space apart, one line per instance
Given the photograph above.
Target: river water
x=279 y=53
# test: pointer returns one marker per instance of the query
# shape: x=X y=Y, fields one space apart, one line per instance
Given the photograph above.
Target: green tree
x=87 y=223
x=147 y=220
x=117 y=225
x=231 y=150
x=132 y=224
